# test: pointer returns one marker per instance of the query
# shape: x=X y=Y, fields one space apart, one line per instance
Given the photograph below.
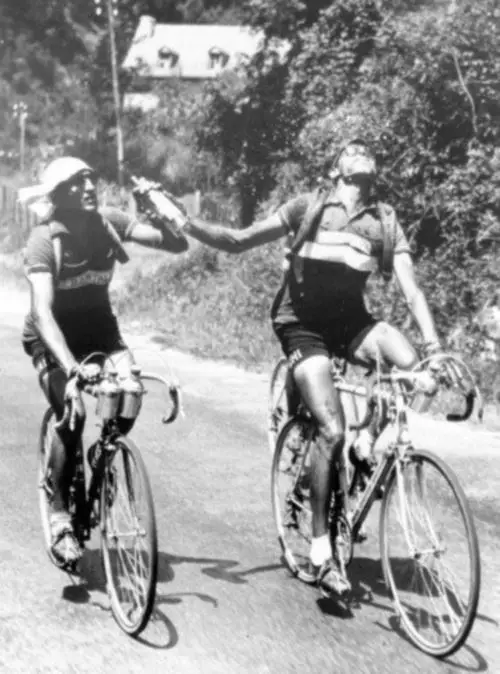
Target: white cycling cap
x=56 y=173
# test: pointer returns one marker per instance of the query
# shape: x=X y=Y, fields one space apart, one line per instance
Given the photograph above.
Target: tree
x=253 y=119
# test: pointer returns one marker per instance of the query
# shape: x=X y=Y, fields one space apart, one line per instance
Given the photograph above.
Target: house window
x=167 y=55
x=218 y=58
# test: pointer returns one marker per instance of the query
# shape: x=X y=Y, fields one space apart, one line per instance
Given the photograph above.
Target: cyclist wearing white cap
x=339 y=236
x=69 y=261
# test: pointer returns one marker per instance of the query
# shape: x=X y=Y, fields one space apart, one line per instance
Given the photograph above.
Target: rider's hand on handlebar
x=87 y=373
x=72 y=389
x=78 y=376
x=444 y=371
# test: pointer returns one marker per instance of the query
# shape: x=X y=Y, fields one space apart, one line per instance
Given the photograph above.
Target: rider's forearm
x=217 y=236
x=171 y=241
x=423 y=317
x=54 y=340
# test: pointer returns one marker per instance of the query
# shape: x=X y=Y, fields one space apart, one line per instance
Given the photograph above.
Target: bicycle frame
x=396 y=399
x=397 y=407
x=84 y=523
x=394 y=453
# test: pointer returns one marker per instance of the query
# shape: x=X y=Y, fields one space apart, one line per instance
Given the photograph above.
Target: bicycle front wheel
x=277 y=412
x=430 y=553
x=129 y=544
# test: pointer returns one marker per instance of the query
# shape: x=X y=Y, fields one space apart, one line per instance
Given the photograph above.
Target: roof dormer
x=168 y=56
x=218 y=58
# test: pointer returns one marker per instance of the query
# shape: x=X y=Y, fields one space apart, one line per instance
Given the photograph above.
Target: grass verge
x=208 y=303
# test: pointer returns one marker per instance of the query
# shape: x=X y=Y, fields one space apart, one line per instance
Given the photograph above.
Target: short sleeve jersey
x=86 y=267
x=337 y=259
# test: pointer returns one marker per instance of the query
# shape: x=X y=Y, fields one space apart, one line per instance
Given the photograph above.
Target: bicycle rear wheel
x=278 y=411
x=290 y=494
x=129 y=544
x=430 y=553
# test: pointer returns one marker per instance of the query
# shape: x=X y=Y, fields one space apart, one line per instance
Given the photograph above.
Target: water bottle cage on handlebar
x=114 y=401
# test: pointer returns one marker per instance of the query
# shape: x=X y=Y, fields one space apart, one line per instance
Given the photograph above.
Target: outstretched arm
x=236 y=240
x=405 y=275
x=157 y=237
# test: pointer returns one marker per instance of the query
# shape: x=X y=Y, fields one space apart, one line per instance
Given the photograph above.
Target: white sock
x=321 y=550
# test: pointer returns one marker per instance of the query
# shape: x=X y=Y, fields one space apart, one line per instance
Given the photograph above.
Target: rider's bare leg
x=62 y=451
x=386 y=345
x=64 y=441
x=314 y=381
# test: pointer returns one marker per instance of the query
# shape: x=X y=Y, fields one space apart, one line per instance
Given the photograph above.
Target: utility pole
x=112 y=11
x=20 y=111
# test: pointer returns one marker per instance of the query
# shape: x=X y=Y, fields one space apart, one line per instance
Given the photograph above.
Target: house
x=190 y=52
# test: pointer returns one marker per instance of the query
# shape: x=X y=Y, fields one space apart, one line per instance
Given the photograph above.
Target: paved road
x=225 y=603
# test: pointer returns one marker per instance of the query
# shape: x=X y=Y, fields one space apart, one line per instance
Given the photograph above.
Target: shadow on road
x=160 y=633
x=219 y=569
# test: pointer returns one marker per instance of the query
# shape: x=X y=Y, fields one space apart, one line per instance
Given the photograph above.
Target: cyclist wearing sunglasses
x=69 y=261
x=320 y=310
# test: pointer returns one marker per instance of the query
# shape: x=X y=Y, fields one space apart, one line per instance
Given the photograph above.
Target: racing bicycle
x=428 y=541
x=112 y=491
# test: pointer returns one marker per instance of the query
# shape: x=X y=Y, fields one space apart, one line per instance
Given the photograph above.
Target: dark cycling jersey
x=81 y=300
x=338 y=257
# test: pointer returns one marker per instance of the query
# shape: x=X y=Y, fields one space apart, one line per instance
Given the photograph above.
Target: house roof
x=191 y=51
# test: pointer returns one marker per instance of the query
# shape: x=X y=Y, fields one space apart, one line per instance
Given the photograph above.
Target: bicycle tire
x=277 y=410
x=132 y=599
x=432 y=581
x=295 y=554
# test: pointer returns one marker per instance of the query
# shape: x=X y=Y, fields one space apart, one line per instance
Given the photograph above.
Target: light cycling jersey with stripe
x=337 y=258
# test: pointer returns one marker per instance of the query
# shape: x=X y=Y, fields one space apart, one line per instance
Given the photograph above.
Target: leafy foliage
x=420 y=79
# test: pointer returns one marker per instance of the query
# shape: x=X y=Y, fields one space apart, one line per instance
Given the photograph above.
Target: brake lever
x=469 y=406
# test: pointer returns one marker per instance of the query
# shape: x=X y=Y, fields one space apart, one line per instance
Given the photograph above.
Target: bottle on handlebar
x=132 y=392
x=108 y=397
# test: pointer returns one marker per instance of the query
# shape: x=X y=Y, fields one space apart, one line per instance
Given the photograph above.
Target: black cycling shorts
x=339 y=338
x=102 y=334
